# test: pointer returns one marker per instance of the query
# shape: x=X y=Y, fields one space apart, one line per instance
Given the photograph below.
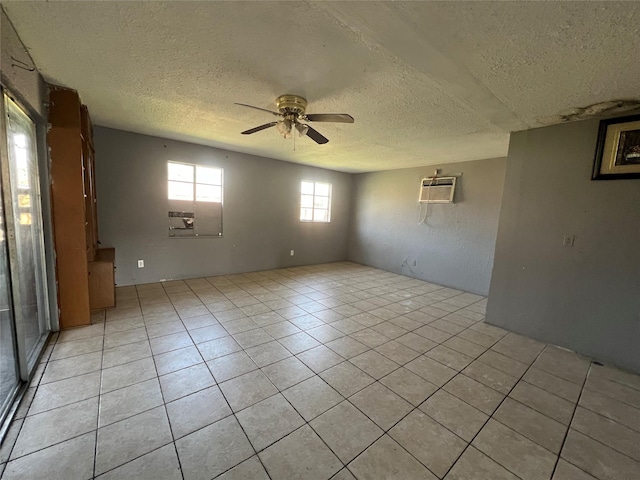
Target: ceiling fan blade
x=257 y=129
x=316 y=136
x=329 y=117
x=258 y=108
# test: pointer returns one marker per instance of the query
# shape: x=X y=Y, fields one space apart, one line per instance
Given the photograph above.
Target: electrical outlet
x=568 y=240
x=140 y=263
x=292 y=253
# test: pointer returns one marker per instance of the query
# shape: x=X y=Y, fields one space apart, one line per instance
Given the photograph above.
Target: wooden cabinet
x=102 y=292
x=89 y=181
x=73 y=197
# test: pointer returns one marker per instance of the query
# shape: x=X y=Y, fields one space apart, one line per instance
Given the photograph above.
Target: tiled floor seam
x=637 y=407
x=535 y=410
x=611 y=419
x=575 y=408
x=306 y=423
x=99 y=394
x=491 y=417
x=577 y=402
x=255 y=452
x=601 y=443
x=9 y=459
x=164 y=406
x=153 y=356
x=584 y=383
x=233 y=413
x=557 y=455
x=133 y=460
x=175 y=447
x=373 y=348
x=125 y=363
x=296 y=410
x=95 y=442
x=544 y=389
x=319 y=436
x=44 y=448
x=386 y=432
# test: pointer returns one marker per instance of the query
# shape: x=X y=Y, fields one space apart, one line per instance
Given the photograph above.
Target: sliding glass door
x=9 y=379
x=24 y=313
x=27 y=223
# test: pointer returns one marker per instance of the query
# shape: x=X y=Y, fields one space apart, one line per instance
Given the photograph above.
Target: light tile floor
x=330 y=371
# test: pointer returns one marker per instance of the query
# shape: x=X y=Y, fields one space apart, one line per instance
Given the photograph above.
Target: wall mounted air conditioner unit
x=437 y=189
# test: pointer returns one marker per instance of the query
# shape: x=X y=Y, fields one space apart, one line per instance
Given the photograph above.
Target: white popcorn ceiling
x=427 y=82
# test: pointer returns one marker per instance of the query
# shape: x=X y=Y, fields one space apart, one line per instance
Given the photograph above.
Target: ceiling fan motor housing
x=291 y=104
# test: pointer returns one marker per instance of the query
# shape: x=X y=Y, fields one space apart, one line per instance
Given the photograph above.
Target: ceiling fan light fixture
x=284 y=127
x=302 y=129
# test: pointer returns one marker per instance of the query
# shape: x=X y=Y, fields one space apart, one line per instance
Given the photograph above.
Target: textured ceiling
x=427 y=82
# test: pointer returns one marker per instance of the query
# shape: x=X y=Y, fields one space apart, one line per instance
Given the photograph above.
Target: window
x=193 y=182
x=315 y=202
x=195 y=200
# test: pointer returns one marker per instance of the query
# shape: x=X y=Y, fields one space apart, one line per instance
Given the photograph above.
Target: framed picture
x=618 y=149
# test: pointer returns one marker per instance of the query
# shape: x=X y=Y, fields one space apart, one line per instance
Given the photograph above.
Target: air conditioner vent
x=437 y=189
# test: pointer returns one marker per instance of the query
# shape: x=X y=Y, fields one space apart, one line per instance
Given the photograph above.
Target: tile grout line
x=187 y=330
x=615 y=399
x=604 y=445
x=142 y=411
x=164 y=405
x=132 y=460
x=46 y=362
x=575 y=409
x=307 y=422
x=233 y=413
x=95 y=445
x=368 y=350
x=491 y=416
x=279 y=392
x=386 y=432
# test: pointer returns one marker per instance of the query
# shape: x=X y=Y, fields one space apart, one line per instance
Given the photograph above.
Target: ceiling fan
x=291 y=109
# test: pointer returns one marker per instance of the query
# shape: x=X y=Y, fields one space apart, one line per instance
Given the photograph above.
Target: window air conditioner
x=437 y=189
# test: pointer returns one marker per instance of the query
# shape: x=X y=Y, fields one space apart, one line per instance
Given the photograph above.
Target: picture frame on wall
x=618 y=149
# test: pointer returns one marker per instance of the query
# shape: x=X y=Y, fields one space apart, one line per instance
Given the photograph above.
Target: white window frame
x=313 y=208
x=196 y=209
x=194 y=183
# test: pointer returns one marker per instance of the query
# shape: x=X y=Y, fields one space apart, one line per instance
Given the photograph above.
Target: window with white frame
x=194 y=182
x=315 y=202
x=195 y=200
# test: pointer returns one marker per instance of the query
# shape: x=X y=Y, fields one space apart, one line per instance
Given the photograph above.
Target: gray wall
x=261 y=211
x=26 y=86
x=453 y=247
x=585 y=297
